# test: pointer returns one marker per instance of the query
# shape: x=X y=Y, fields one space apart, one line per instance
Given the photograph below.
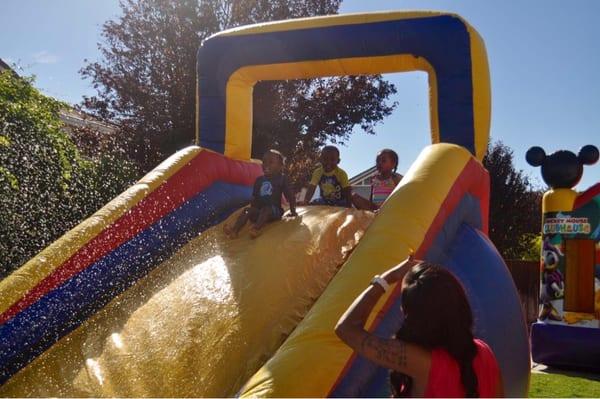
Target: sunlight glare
x=94 y=367
x=212 y=277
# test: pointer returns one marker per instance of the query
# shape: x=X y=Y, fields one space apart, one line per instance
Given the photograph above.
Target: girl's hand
x=397 y=272
x=411 y=261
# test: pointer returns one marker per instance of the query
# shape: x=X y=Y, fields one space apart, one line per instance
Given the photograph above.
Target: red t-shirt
x=444 y=375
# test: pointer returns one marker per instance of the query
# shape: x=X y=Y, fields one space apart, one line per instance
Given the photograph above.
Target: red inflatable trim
x=474 y=180
x=587 y=196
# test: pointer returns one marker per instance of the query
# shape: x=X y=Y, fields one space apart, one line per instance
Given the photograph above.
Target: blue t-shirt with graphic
x=267 y=190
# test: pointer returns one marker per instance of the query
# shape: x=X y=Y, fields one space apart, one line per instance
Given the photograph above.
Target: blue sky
x=544 y=60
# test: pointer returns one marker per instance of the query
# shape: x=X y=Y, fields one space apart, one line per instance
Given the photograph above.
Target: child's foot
x=229 y=231
x=254 y=232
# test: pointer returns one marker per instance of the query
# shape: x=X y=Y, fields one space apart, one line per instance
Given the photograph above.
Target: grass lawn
x=562 y=386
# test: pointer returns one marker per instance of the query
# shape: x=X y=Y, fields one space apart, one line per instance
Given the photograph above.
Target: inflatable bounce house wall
x=148 y=298
x=568 y=330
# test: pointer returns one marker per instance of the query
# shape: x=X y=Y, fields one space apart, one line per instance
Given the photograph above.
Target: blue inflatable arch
x=230 y=63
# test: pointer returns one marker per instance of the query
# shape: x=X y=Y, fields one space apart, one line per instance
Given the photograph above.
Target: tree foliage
x=146 y=81
x=532 y=244
x=515 y=206
x=46 y=187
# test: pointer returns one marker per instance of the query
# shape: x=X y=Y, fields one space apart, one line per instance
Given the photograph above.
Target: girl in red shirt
x=434 y=354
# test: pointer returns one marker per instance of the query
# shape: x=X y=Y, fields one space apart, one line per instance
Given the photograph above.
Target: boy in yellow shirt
x=331 y=179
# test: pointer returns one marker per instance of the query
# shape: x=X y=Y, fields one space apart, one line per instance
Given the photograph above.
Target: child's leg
x=248 y=213
x=265 y=215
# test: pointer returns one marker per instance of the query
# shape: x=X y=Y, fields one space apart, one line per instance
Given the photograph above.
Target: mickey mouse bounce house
x=567 y=332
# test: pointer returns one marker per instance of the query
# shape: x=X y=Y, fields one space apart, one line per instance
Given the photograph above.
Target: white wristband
x=381 y=282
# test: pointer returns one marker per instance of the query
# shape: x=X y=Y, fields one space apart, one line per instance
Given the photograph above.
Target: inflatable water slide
x=148 y=298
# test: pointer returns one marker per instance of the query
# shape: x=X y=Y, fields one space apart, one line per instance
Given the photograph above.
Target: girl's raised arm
x=386 y=352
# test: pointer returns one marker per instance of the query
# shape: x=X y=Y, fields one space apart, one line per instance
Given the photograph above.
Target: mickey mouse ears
x=535 y=156
x=588 y=155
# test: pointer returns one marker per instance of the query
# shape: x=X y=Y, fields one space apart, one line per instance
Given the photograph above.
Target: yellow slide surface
x=203 y=322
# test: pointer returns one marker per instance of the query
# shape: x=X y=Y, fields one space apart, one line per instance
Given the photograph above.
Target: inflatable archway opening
x=443 y=45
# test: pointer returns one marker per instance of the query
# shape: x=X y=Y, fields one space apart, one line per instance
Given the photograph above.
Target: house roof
x=363 y=175
x=70 y=116
x=372 y=171
x=74 y=118
x=4 y=65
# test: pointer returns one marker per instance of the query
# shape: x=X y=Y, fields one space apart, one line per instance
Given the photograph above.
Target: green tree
x=46 y=187
x=146 y=81
x=515 y=205
x=533 y=247
x=112 y=170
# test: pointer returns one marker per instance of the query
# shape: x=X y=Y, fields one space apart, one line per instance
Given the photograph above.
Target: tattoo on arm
x=385 y=352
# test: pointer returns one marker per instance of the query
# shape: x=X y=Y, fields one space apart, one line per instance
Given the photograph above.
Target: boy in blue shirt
x=265 y=206
x=331 y=179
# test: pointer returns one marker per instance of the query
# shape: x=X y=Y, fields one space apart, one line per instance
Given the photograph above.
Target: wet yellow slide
x=204 y=321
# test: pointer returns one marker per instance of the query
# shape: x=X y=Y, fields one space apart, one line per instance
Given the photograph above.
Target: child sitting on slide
x=331 y=179
x=383 y=183
x=265 y=206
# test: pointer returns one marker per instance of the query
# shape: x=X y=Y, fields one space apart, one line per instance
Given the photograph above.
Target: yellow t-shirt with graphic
x=330 y=184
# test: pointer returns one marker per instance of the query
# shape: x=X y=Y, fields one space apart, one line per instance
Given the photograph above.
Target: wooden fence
x=526 y=275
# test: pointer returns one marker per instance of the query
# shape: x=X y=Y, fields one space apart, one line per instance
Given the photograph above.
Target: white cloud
x=45 y=57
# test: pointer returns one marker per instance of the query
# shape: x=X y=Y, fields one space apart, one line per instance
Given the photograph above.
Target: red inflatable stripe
x=587 y=196
x=474 y=180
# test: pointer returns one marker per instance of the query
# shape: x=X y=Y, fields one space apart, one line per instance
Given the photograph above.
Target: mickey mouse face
x=562 y=169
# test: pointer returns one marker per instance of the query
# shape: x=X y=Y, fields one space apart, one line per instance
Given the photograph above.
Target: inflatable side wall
x=67 y=282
